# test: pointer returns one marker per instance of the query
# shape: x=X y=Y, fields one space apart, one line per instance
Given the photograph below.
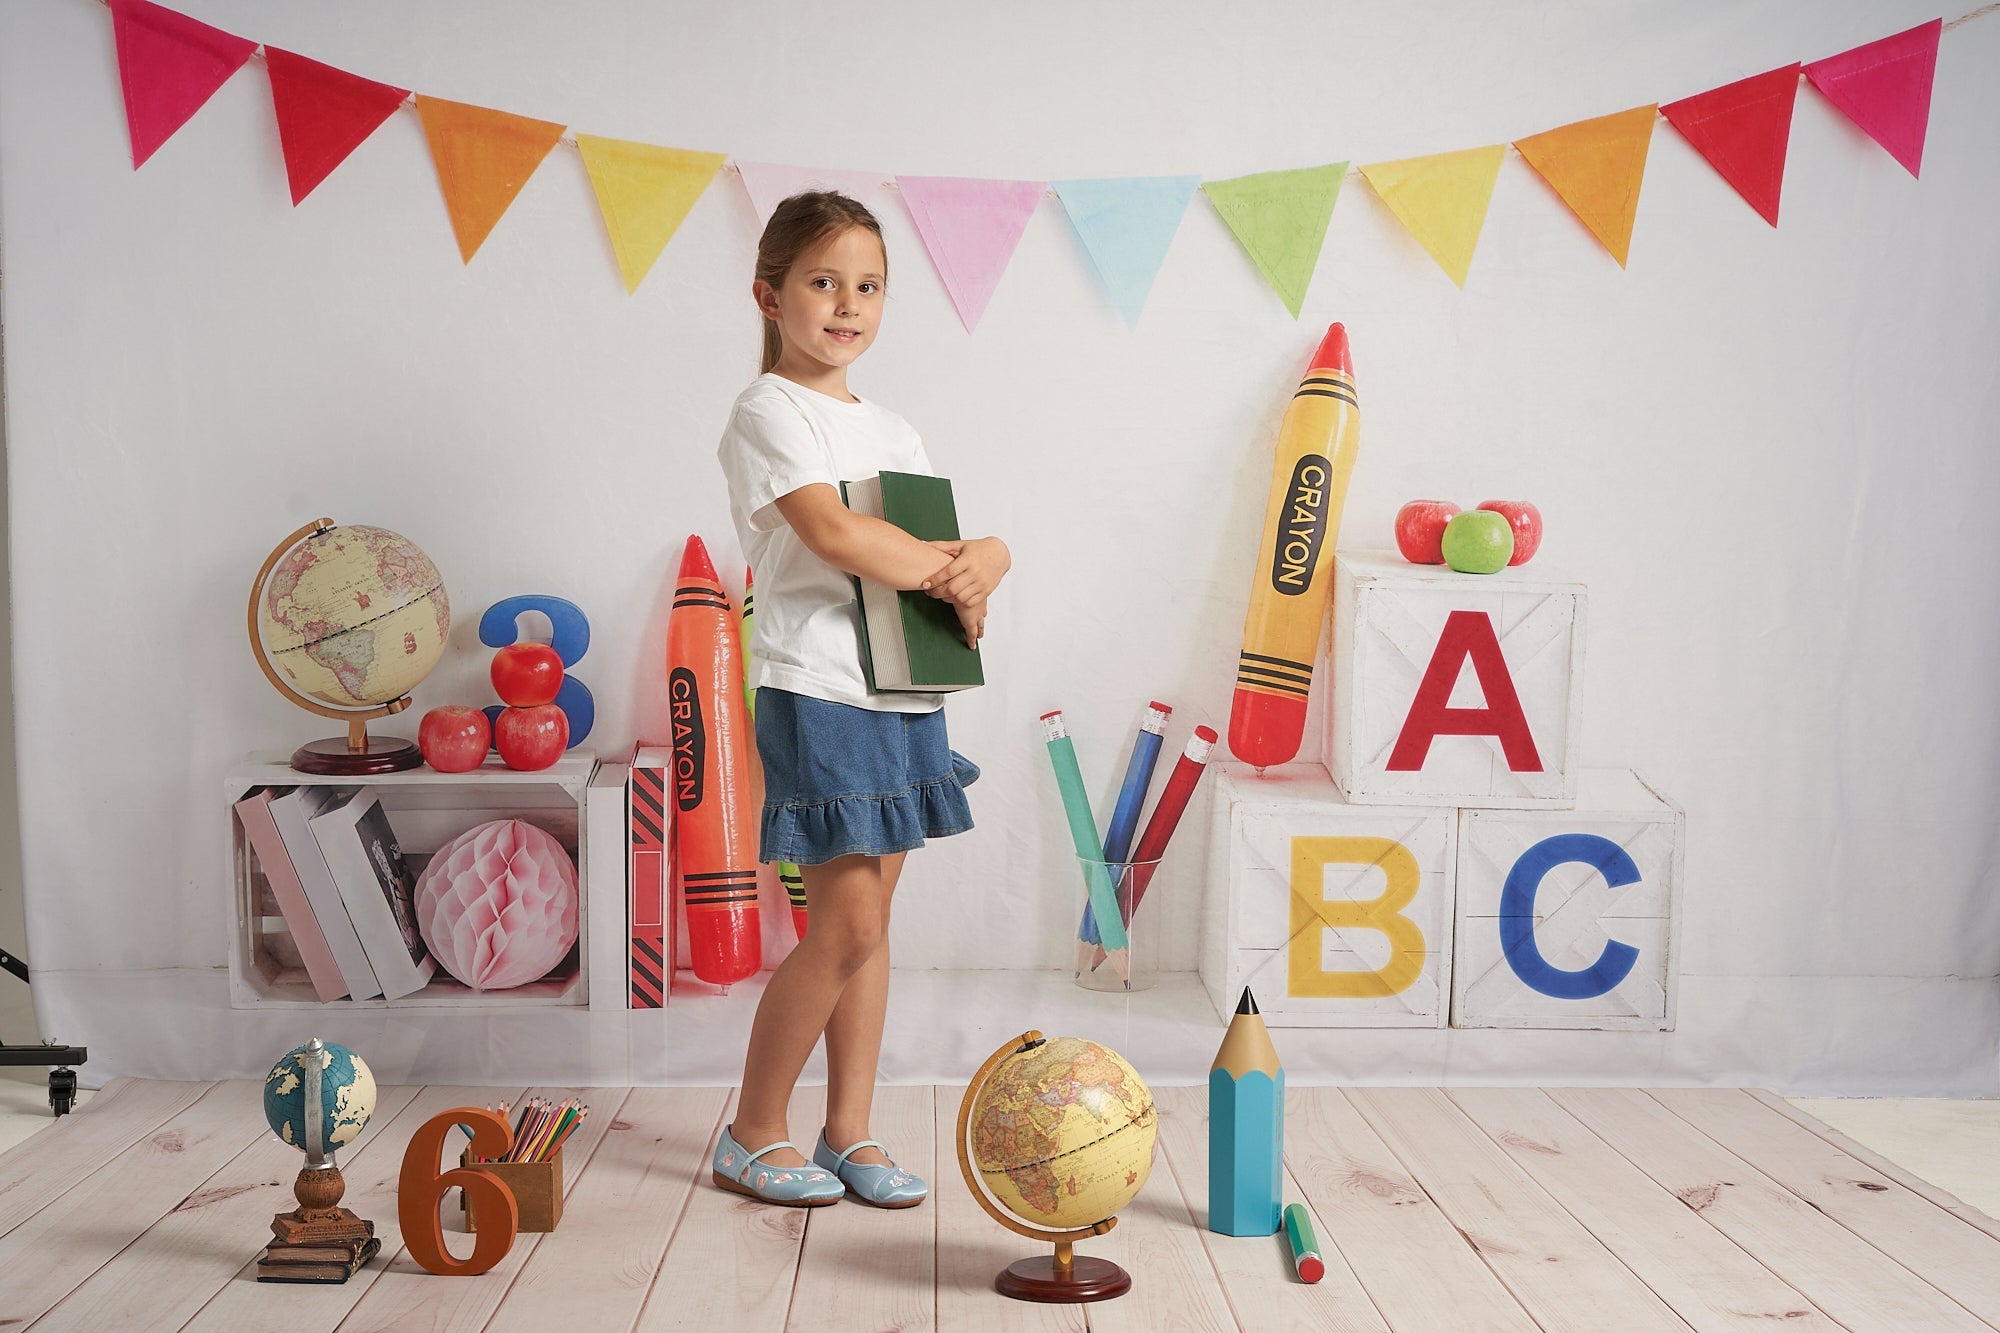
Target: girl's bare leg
x=847 y=911
x=854 y=1039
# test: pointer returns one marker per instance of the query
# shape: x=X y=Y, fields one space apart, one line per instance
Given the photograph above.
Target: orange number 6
x=422 y=1186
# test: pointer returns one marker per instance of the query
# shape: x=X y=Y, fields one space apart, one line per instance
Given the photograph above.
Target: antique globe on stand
x=318 y=1097
x=344 y=622
x=1059 y=1132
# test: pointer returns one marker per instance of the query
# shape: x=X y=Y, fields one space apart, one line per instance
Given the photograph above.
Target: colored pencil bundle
x=540 y=1126
x=1108 y=911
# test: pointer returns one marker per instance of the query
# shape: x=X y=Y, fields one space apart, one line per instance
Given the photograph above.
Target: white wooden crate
x=1388 y=616
x=1583 y=928
x=1286 y=852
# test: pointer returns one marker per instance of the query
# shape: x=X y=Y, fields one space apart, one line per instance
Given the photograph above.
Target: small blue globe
x=346 y=1096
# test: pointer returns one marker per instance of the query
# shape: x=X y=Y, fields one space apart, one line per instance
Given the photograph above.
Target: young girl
x=852 y=780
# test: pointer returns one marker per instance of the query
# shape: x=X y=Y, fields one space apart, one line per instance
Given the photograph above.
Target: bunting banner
x=169 y=65
x=483 y=159
x=1279 y=218
x=644 y=193
x=324 y=114
x=769 y=182
x=1885 y=88
x=1441 y=200
x=970 y=228
x=1595 y=166
x=1743 y=129
x=1126 y=225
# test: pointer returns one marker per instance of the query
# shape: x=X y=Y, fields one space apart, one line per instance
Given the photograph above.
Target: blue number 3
x=501 y=625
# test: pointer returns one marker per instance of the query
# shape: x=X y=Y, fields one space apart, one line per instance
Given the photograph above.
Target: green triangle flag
x=1280 y=219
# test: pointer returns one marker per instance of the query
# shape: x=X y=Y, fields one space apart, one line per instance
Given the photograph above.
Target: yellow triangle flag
x=483 y=159
x=1596 y=167
x=644 y=192
x=1442 y=200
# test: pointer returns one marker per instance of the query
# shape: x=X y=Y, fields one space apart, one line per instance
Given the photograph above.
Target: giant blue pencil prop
x=1089 y=851
x=1125 y=815
x=1246 y=1127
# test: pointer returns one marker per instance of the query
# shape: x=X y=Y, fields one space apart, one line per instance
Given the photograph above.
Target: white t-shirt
x=781 y=436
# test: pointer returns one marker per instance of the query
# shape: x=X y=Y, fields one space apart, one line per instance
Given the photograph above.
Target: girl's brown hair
x=797 y=225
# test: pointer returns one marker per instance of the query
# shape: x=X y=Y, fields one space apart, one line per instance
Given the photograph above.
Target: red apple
x=531 y=738
x=1420 y=530
x=454 y=738
x=1526 y=520
x=527 y=675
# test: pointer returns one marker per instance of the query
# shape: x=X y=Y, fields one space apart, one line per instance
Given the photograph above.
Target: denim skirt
x=846 y=781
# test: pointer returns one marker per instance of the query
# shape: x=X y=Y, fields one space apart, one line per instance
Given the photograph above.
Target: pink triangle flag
x=1885 y=88
x=1743 y=129
x=769 y=182
x=168 y=65
x=970 y=227
x=323 y=115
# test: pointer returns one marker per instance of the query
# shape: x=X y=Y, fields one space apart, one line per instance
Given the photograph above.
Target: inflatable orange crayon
x=1317 y=443
x=788 y=874
x=715 y=836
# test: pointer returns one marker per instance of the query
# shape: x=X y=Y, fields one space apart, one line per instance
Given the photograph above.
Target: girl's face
x=829 y=304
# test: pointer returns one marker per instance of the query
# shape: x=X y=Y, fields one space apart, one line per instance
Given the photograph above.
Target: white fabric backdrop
x=1769 y=453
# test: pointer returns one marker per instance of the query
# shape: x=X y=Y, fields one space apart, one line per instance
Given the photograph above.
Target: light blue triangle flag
x=1126 y=224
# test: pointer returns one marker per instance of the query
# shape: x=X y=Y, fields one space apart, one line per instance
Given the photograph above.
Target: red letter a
x=1466 y=634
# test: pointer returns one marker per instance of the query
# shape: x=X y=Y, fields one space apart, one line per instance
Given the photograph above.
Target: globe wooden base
x=1038 y=1279
x=319 y=1217
x=332 y=757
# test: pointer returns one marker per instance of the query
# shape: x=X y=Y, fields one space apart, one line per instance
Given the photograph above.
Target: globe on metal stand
x=398 y=640
x=316 y=1097
x=1061 y=1277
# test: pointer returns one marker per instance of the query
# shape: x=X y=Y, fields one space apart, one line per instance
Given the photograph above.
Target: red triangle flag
x=1743 y=129
x=323 y=115
x=169 y=65
x=1885 y=88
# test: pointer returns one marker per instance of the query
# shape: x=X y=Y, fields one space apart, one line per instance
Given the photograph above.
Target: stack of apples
x=1485 y=540
x=531 y=732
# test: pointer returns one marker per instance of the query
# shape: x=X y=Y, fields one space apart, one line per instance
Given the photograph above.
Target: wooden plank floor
x=1475 y=1209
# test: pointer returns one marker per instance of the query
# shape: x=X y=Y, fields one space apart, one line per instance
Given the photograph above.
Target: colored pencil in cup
x=1089 y=851
x=1165 y=819
x=1125 y=814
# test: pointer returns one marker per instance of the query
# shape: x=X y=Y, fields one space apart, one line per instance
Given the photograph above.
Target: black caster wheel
x=62 y=1090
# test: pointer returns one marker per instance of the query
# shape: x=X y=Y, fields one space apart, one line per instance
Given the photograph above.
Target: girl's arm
x=857 y=544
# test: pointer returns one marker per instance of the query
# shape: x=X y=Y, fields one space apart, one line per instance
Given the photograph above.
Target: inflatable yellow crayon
x=1317 y=443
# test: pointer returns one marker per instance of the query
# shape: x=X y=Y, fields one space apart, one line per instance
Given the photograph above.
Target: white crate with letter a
x=1335 y=915
x=1454 y=689
x=1569 y=918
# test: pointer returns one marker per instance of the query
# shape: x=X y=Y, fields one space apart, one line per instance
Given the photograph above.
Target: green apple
x=1478 y=542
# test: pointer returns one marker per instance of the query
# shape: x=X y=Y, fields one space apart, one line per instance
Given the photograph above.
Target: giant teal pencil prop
x=1246 y=1127
x=1089 y=851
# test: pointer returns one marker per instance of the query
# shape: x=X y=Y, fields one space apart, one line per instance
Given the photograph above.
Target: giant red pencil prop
x=1317 y=443
x=1160 y=827
x=715 y=844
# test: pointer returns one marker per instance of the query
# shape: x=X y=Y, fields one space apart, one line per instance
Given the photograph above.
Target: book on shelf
x=261 y=830
x=379 y=890
x=649 y=966
x=604 y=871
x=911 y=641
x=292 y=812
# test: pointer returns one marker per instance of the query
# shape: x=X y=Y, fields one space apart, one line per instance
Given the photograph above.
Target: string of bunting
x=169 y=65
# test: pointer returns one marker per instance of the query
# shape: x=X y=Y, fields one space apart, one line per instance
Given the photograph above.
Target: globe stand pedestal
x=318 y=1241
x=1062 y=1278
x=336 y=756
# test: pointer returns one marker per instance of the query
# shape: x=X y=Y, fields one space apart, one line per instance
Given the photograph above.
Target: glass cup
x=1126 y=886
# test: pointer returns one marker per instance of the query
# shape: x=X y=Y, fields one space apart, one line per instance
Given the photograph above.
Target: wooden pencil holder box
x=537 y=1187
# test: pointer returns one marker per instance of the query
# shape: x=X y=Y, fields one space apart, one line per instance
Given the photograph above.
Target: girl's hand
x=972 y=621
x=974 y=572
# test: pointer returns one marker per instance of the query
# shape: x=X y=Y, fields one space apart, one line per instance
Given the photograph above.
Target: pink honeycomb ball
x=497 y=905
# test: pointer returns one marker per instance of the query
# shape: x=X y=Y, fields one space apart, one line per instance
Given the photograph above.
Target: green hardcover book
x=910 y=640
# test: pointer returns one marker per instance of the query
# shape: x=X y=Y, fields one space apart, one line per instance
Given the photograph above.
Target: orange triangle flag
x=1442 y=199
x=1596 y=167
x=644 y=193
x=483 y=159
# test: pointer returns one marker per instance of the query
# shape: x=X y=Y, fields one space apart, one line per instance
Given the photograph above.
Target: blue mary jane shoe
x=884 y=1186
x=792 y=1186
